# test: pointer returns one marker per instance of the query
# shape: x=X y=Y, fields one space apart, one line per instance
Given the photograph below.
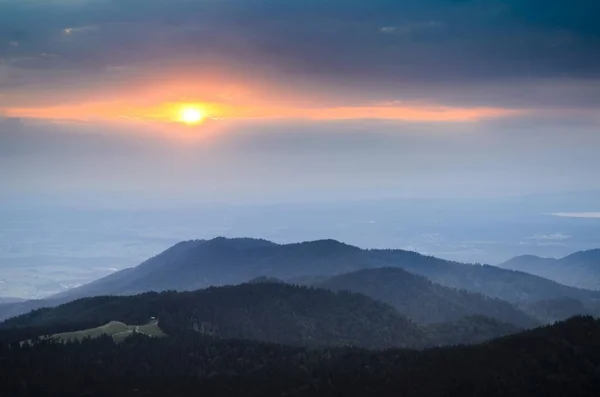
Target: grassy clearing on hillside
x=118 y=330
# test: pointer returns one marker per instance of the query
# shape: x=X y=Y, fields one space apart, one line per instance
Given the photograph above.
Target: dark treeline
x=268 y=312
x=560 y=360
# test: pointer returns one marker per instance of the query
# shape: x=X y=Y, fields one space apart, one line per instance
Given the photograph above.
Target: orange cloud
x=169 y=112
x=416 y=113
x=159 y=97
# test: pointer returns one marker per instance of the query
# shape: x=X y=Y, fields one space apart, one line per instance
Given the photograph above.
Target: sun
x=191 y=115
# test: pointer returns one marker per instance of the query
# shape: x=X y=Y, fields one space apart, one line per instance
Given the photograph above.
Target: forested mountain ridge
x=510 y=285
x=469 y=330
x=554 y=361
x=423 y=301
x=265 y=311
x=269 y=312
x=581 y=269
x=198 y=264
x=192 y=265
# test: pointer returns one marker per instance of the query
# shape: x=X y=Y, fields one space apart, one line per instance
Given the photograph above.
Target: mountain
x=552 y=310
x=265 y=279
x=264 y=311
x=510 y=285
x=10 y=300
x=424 y=301
x=581 y=269
x=192 y=265
x=554 y=361
x=8 y=310
x=269 y=312
x=469 y=330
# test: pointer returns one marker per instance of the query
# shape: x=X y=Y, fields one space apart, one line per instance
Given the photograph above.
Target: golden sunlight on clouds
x=196 y=112
x=184 y=99
x=191 y=115
x=416 y=113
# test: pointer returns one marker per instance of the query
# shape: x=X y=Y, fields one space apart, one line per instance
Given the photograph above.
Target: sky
x=254 y=100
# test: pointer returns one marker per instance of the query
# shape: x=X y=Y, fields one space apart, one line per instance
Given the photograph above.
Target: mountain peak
x=580 y=269
x=327 y=245
x=527 y=259
x=589 y=255
x=239 y=242
x=527 y=256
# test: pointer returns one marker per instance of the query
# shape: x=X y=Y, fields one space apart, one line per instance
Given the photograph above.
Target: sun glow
x=191 y=115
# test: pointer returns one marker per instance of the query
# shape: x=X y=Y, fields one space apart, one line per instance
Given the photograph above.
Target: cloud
x=430 y=97
x=79 y=29
x=482 y=52
x=414 y=27
x=266 y=110
x=590 y=215
x=550 y=237
x=388 y=29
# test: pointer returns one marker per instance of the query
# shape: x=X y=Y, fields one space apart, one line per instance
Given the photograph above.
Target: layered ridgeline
x=555 y=361
x=10 y=300
x=424 y=301
x=551 y=310
x=198 y=264
x=581 y=269
x=268 y=312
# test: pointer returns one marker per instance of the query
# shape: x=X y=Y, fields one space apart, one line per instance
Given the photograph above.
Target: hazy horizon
x=47 y=247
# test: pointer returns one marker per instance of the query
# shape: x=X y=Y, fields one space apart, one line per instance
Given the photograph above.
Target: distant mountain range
x=198 y=264
x=10 y=300
x=192 y=265
x=581 y=269
x=552 y=310
x=424 y=301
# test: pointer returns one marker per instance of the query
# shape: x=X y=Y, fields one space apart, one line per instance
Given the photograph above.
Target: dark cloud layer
x=422 y=47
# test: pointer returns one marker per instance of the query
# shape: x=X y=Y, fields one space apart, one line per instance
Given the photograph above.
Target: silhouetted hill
x=509 y=285
x=555 y=361
x=263 y=311
x=8 y=310
x=424 y=301
x=268 y=312
x=198 y=264
x=581 y=269
x=264 y=279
